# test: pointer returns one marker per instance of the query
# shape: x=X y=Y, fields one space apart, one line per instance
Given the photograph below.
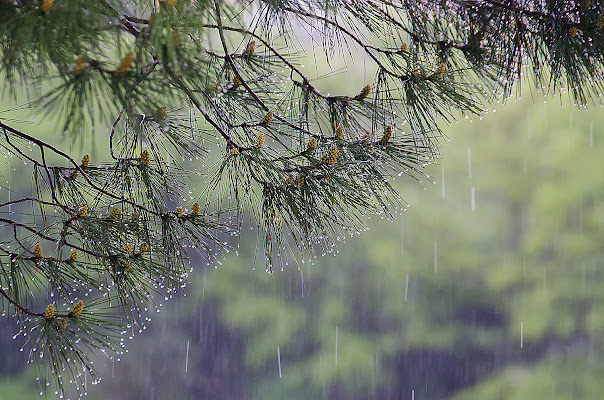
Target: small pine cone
x=46 y=4
x=339 y=132
x=259 y=141
x=143 y=248
x=73 y=256
x=234 y=151
x=195 y=209
x=403 y=47
x=38 y=251
x=73 y=176
x=127 y=267
x=312 y=144
x=439 y=71
x=415 y=71
x=50 y=312
x=77 y=309
x=330 y=157
x=572 y=32
x=267 y=118
x=179 y=211
x=363 y=93
x=145 y=160
x=62 y=325
x=387 y=135
x=125 y=64
x=128 y=248
x=82 y=210
x=78 y=66
x=299 y=182
x=116 y=214
x=85 y=160
x=250 y=48
x=236 y=82
x=161 y=113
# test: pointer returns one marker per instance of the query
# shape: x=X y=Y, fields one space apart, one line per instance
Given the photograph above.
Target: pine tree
x=211 y=94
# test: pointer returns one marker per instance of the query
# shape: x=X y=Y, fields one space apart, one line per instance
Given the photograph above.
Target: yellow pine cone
x=73 y=176
x=85 y=160
x=234 y=151
x=125 y=64
x=62 y=325
x=77 y=309
x=267 y=118
x=404 y=47
x=116 y=214
x=236 y=82
x=127 y=267
x=600 y=23
x=145 y=160
x=312 y=144
x=250 y=48
x=439 y=71
x=161 y=113
x=128 y=248
x=179 y=211
x=50 y=311
x=82 y=210
x=78 y=67
x=38 y=251
x=73 y=256
x=170 y=3
x=387 y=135
x=143 y=248
x=175 y=37
x=572 y=31
x=299 y=182
x=339 y=132
x=330 y=157
x=363 y=93
x=46 y=4
x=365 y=138
x=259 y=141
x=195 y=209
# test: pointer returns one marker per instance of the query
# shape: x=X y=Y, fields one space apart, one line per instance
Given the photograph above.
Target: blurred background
x=490 y=286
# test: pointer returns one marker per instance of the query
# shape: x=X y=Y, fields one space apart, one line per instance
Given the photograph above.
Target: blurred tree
x=175 y=78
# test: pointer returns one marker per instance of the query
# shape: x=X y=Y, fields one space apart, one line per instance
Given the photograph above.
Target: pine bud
x=85 y=160
x=46 y=4
x=127 y=267
x=259 y=141
x=339 y=132
x=125 y=64
x=128 y=248
x=415 y=71
x=73 y=256
x=236 y=82
x=299 y=180
x=170 y=3
x=73 y=176
x=330 y=157
x=152 y=19
x=50 y=312
x=62 y=325
x=82 y=210
x=404 y=47
x=179 y=211
x=116 y=214
x=143 y=248
x=38 y=251
x=312 y=144
x=365 y=138
x=195 y=209
x=234 y=151
x=600 y=23
x=267 y=118
x=77 y=309
x=145 y=158
x=363 y=93
x=161 y=113
x=387 y=135
x=175 y=37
